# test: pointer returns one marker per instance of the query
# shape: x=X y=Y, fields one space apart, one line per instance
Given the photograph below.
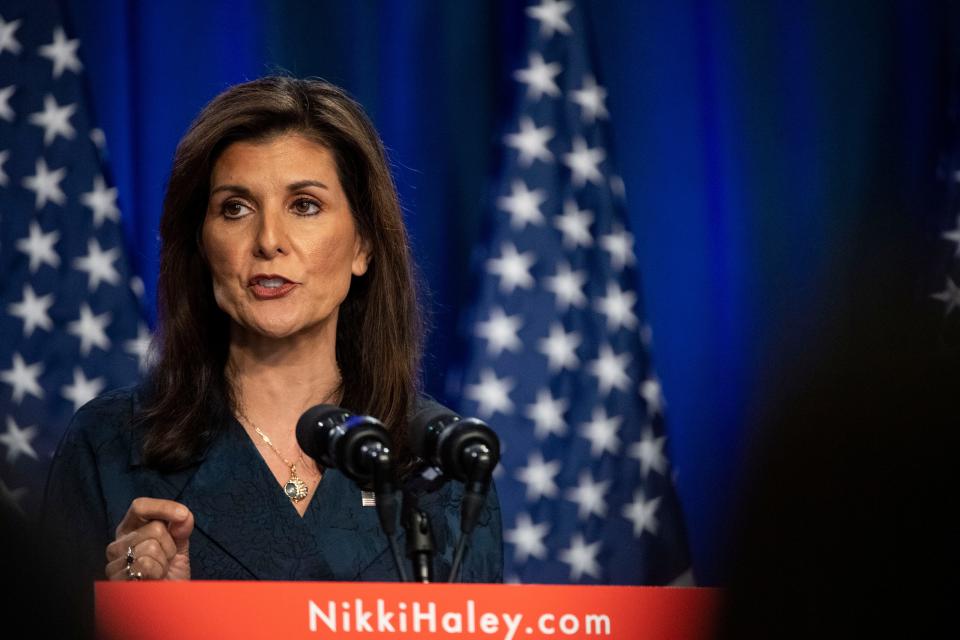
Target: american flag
x=560 y=362
x=69 y=314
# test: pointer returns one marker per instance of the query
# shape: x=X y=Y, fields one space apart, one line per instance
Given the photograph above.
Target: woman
x=285 y=282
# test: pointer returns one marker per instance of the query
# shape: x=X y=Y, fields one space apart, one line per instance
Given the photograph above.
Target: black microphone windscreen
x=429 y=414
x=313 y=425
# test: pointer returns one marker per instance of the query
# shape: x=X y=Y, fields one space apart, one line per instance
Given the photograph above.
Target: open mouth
x=270 y=286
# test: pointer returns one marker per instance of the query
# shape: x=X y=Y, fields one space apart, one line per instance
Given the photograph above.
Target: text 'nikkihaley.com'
x=423 y=618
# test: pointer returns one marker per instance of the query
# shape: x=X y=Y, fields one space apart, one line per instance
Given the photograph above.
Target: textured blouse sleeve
x=75 y=521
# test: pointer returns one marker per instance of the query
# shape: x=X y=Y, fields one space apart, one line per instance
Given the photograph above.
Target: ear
x=361 y=256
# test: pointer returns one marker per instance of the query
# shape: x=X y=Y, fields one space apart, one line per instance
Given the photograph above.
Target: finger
x=180 y=531
x=143 y=510
x=116 y=569
x=152 y=549
x=148 y=559
x=155 y=530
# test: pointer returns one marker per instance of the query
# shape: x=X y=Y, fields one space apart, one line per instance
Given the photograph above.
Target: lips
x=267 y=286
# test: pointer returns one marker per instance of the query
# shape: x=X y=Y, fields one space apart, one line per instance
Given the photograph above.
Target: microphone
x=338 y=439
x=463 y=448
x=360 y=447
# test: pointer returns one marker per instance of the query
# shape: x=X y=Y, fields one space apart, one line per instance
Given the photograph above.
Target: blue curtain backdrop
x=757 y=141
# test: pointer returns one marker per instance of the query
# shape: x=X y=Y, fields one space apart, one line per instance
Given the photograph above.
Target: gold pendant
x=295 y=488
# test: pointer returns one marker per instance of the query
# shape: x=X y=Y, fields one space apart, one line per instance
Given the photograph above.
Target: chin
x=279 y=326
x=277 y=332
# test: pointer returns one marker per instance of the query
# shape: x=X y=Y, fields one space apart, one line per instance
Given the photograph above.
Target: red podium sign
x=357 y=610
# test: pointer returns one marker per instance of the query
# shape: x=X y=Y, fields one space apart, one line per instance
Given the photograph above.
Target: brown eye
x=306 y=207
x=234 y=209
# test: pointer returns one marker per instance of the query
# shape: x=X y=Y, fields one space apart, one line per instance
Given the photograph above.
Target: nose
x=271 y=238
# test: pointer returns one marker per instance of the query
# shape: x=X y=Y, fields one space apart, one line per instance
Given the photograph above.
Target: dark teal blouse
x=246 y=528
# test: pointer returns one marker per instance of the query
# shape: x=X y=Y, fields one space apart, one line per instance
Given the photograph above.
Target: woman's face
x=280 y=237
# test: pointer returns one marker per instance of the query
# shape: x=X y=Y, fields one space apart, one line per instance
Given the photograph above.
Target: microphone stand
x=378 y=457
x=481 y=463
x=420 y=545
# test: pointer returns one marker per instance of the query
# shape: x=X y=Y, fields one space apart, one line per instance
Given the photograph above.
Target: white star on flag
x=617 y=306
x=539 y=476
x=584 y=163
x=54 y=119
x=140 y=347
x=560 y=348
x=4 y=178
x=551 y=14
x=491 y=393
x=618 y=187
x=17 y=441
x=23 y=378
x=99 y=138
x=527 y=538
x=589 y=496
x=102 y=202
x=62 y=52
x=567 y=286
x=8 y=41
x=531 y=142
x=46 y=184
x=591 y=100
x=582 y=558
x=601 y=431
x=547 y=414
x=513 y=268
x=6 y=111
x=523 y=205
x=652 y=394
x=82 y=390
x=610 y=370
x=954 y=236
x=539 y=77
x=649 y=452
x=136 y=285
x=12 y=496
x=949 y=296
x=98 y=264
x=32 y=310
x=500 y=332
x=642 y=513
x=619 y=245
x=574 y=224
x=91 y=329
x=39 y=246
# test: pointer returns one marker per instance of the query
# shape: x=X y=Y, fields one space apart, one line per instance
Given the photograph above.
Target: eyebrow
x=244 y=191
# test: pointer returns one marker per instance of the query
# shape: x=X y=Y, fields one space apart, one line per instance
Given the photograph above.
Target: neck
x=276 y=380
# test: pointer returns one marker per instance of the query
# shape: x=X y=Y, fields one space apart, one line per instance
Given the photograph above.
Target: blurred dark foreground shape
x=848 y=524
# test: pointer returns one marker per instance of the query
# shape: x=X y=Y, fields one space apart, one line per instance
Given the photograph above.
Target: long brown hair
x=189 y=397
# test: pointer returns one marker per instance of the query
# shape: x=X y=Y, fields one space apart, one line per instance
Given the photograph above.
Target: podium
x=368 y=610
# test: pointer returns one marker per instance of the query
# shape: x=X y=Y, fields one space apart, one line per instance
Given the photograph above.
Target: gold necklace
x=295 y=488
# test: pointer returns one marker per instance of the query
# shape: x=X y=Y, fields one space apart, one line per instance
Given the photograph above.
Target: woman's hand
x=158 y=532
